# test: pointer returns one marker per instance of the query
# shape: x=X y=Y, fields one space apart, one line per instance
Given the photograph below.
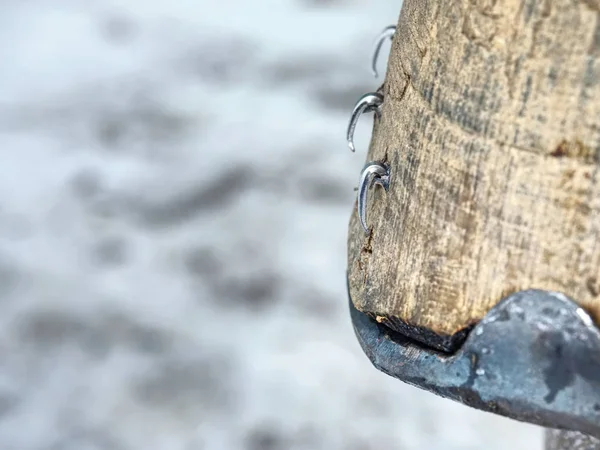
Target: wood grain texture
x=491 y=127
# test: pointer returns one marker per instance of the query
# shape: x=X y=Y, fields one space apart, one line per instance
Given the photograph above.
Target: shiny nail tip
x=370 y=102
x=374 y=173
x=386 y=33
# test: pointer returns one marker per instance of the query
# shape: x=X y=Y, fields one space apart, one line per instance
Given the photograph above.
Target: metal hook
x=367 y=103
x=386 y=33
x=374 y=173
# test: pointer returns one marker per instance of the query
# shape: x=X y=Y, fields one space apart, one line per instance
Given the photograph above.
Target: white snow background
x=175 y=190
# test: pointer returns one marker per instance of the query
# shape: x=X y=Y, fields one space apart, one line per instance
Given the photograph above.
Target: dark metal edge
x=535 y=357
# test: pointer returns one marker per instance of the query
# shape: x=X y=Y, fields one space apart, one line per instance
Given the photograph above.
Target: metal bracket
x=534 y=357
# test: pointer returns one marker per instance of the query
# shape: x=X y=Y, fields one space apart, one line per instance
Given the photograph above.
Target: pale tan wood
x=491 y=127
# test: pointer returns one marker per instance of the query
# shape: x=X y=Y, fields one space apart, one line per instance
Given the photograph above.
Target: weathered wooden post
x=490 y=126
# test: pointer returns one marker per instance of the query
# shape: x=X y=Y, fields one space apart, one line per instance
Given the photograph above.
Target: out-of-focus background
x=174 y=196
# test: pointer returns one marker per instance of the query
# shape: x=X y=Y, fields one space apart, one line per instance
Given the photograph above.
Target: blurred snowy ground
x=174 y=198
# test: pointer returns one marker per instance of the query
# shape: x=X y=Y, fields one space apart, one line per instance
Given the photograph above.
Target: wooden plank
x=491 y=127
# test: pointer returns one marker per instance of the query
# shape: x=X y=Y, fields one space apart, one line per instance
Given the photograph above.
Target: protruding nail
x=387 y=33
x=374 y=173
x=367 y=103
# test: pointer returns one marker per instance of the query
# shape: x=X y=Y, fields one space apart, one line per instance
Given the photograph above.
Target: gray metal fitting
x=534 y=357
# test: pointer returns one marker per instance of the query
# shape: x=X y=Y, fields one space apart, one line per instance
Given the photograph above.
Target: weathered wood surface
x=491 y=126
